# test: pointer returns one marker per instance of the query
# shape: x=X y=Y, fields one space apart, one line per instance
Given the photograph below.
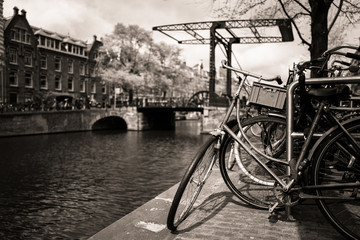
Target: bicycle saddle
x=337 y=91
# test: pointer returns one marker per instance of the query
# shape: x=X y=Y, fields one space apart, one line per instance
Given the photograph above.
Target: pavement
x=220 y=215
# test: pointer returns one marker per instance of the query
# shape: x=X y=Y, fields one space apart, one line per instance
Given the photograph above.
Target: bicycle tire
x=246 y=179
x=185 y=197
x=333 y=163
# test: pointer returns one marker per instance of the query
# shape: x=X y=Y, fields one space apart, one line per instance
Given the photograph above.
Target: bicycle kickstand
x=289 y=216
x=273 y=214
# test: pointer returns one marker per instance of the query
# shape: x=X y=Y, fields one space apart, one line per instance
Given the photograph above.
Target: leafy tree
x=132 y=60
x=166 y=54
x=313 y=19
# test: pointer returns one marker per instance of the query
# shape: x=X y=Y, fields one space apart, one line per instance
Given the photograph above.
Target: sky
x=82 y=19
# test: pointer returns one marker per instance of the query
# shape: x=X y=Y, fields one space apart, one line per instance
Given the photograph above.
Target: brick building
x=2 y=52
x=42 y=63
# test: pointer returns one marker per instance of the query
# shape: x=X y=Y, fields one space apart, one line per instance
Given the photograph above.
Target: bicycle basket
x=267 y=95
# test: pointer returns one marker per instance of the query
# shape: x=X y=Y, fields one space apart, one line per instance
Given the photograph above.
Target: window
x=42 y=40
x=70 y=66
x=93 y=87
x=82 y=85
x=12 y=55
x=82 y=69
x=57 y=44
x=13 y=80
x=28 y=79
x=57 y=64
x=27 y=38
x=28 y=59
x=92 y=72
x=103 y=88
x=57 y=82
x=43 y=82
x=70 y=84
x=15 y=34
x=21 y=35
x=43 y=62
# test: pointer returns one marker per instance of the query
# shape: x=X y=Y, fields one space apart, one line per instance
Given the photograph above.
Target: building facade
x=2 y=52
x=41 y=64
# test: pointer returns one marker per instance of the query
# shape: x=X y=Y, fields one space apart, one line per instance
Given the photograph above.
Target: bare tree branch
x=300 y=14
x=336 y=15
x=352 y=5
x=293 y=22
x=301 y=5
x=346 y=10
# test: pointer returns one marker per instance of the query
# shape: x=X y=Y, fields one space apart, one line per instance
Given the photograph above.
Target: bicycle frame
x=290 y=133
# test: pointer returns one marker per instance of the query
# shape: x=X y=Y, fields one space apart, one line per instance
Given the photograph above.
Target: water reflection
x=73 y=185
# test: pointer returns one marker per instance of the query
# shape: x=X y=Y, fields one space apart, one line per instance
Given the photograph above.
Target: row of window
x=43 y=62
x=60 y=46
x=20 y=35
x=13 y=81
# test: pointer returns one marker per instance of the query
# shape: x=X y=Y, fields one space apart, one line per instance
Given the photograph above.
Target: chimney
x=16 y=11
x=23 y=12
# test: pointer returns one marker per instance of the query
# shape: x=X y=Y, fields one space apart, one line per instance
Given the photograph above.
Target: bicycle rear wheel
x=241 y=173
x=337 y=162
x=192 y=183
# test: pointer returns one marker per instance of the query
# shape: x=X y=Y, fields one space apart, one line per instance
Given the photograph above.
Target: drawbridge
x=227 y=33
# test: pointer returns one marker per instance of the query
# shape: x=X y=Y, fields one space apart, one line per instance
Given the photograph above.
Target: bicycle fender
x=326 y=134
x=278 y=115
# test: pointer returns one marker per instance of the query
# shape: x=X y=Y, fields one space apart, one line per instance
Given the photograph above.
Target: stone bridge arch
x=110 y=122
x=126 y=119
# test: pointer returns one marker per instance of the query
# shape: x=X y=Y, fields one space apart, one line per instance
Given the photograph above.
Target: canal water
x=72 y=185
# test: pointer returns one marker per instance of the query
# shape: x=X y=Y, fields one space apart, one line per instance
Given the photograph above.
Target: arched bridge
x=133 y=118
x=130 y=118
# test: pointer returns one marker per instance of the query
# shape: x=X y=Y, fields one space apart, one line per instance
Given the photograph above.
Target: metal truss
x=193 y=29
x=229 y=25
x=243 y=40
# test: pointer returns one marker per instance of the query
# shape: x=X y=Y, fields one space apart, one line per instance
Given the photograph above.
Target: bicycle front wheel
x=242 y=174
x=192 y=183
x=337 y=162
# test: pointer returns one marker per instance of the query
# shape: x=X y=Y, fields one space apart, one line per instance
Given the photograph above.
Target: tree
x=131 y=60
x=313 y=20
x=166 y=54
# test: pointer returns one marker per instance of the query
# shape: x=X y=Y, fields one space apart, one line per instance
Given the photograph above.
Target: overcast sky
x=82 y=19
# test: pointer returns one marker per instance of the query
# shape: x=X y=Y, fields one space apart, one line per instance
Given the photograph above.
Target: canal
x=72 y=185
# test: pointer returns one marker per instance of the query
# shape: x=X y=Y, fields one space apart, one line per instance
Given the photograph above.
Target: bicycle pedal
x=272 y=208
x=274 y=217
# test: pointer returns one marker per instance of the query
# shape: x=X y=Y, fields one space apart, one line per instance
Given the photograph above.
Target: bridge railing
x=138 y=102
x=155 y=102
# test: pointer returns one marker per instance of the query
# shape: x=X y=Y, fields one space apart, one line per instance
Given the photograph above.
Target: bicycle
x=339 y=142
x=243 y=177
x=201 y=167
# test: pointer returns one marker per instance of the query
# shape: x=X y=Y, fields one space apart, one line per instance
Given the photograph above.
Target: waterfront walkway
x=220 y=216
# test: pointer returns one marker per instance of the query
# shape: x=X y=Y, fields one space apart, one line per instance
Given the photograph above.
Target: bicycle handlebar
x=332 y=50
x=352 y=55
x=246 y=73
x=322 y=61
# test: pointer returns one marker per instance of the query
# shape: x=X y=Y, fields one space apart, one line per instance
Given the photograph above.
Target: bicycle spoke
x=191 y=184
